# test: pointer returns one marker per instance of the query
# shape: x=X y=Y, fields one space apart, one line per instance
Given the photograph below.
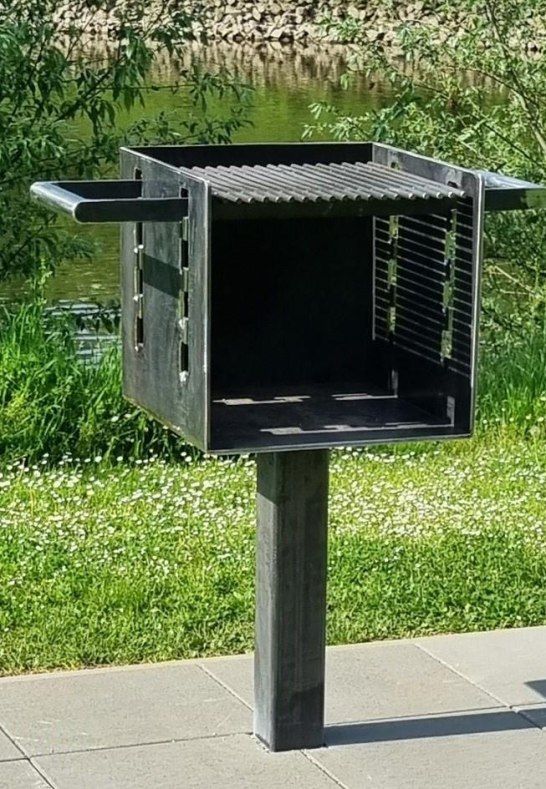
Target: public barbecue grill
x=281 y=298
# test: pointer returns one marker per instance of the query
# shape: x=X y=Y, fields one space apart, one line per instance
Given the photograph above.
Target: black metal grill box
x=299 y=295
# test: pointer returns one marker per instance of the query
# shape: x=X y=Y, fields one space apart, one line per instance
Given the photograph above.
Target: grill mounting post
x=291 y=554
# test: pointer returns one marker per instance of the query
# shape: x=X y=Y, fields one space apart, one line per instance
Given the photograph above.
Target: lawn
x=149 y=560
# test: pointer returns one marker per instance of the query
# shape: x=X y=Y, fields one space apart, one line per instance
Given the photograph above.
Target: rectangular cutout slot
x=183 y=350
x=184 y=296
x=183 y=363
x=139 y=285
x=449 y=284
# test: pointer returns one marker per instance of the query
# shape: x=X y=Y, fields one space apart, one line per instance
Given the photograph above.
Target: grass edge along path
x=104 y=564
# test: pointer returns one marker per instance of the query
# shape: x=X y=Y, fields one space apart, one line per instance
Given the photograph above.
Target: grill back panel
x=291 y=302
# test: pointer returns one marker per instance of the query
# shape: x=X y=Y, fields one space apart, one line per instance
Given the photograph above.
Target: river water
x=285 y=82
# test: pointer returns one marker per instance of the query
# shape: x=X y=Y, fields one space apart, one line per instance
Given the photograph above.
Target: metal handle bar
x=108 y=201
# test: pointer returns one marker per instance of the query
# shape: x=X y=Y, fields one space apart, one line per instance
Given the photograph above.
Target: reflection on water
x=96 y=326
x=285 y=81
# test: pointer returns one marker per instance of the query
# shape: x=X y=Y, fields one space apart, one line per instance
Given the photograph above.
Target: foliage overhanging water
x=285 y=82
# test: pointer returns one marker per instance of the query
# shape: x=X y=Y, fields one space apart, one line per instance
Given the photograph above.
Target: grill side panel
x=165 y=287
x=426 y=294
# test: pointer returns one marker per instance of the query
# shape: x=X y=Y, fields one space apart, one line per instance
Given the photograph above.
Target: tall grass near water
x=53 y=405
x=512 y=390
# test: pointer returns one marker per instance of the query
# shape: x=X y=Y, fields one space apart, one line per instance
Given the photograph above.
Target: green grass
x=118 y=559
x=512 y=387
x=52 y=404
x=149 y=561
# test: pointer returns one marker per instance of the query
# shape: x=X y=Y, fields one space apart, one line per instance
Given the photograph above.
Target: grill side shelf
x=108 y=201
x=504 y=193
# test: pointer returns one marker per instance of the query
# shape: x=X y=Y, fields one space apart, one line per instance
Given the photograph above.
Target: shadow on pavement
x=450 y=724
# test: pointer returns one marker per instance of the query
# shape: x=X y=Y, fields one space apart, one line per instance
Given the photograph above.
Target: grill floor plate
x=315 y=415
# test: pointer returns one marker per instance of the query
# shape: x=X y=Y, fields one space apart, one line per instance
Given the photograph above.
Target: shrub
x=53 y=404
x=63 y=108
x=476 y=97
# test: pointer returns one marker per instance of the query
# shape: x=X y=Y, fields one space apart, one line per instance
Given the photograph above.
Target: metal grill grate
x=312 y=183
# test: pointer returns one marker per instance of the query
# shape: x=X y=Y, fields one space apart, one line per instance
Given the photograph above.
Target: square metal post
x=291 y=569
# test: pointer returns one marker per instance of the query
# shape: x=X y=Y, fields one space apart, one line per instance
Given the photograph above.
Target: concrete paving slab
x=494 y=749
x=236 y=673
x=402 y=719
x=118 y=707
x=373 y=681
x=509 y=664
x=390 y=680
x=236 y=762
x=8 y=751
x=21 y=775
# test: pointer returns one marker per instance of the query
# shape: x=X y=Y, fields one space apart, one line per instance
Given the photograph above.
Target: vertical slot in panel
x=139 y=285
x=183 y=361
x=385 y=276
x=184 y=268
x=183 y=248
x=448 y=295
x=138 y=288
x=463 y=278
x=392 y=272
x=184 y=299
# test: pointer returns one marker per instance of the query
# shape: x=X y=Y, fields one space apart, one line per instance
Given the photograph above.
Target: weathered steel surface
x=291 y=599
x=171 y=281
x=435 y=294
x=251 y=341
x=503 y=193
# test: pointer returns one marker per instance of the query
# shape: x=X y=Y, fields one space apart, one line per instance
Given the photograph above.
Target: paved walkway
x=451 y=711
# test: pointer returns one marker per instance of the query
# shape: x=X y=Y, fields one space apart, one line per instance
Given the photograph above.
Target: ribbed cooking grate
x=312 y=183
